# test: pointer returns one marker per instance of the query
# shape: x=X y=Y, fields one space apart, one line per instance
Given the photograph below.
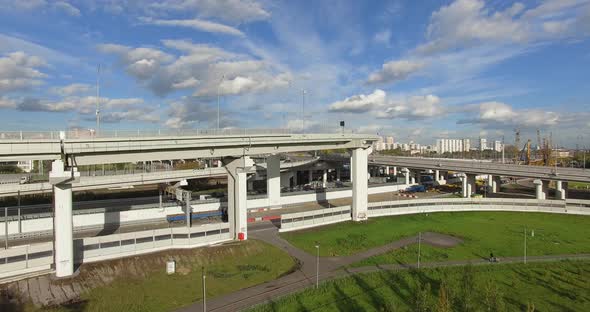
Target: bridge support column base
x=237 y=200
x=63 y=217
x=360 y=187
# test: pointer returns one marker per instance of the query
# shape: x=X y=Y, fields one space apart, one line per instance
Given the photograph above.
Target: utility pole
x=204 y=291
x=218 y=96
x=317 y=274
x=97 y=101
x=303 y=110
x=502 y=149
x=525 y=245
x=419 y=247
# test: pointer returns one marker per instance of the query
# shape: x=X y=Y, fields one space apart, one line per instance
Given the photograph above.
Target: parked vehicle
x=416 y=189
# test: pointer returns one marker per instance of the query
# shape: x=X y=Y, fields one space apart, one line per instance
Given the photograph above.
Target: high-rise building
x=483 y=144
x=466 y=145
x=451 y=145
x=497 y=146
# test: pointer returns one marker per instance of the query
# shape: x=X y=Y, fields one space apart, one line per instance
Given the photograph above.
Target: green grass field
x=554 y=286
x=247 y=264
x=483 y=232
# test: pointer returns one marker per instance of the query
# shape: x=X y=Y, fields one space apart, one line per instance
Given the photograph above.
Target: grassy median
x=229 y=268
x=482 y=232
x=555 y=286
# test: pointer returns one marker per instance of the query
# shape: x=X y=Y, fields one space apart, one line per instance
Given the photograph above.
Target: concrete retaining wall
x=38 y=257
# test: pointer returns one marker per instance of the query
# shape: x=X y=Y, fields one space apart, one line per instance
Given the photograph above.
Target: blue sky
x=418 y=70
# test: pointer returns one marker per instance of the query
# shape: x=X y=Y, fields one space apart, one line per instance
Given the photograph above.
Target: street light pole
x=218 y=86
x=317 y=274
x=204 y=293
x=525 y=245
x=303 y=110
x=419 y=247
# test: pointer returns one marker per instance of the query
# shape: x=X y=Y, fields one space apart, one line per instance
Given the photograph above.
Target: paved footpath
x=332 y=267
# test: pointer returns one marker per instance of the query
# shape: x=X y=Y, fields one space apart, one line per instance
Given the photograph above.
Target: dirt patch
x=440 y=240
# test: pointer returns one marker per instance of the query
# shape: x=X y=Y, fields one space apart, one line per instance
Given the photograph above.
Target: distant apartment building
x=483 y=144
x=498 y=146
x=451 y=145
x=466 y=145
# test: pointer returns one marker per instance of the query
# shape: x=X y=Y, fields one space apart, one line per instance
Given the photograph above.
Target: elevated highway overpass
x=235 y=147
x=481 y=167
x=472 y=168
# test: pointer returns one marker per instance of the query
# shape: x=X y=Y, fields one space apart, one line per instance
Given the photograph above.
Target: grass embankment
x=555 y=286
x=579 y=185
x=229 y=268
x=482 y=232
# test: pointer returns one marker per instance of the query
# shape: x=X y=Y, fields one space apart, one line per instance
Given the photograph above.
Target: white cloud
x=7 y=103
x=360 y=103
x=28 y=5
x=82 y=105
x=197 y=24
x=465 y=22
x=233 y=11
x=414 y=107
x=67 y=8
x=382 y=37
x=200 y=68
x=142 y=63
x=300 y=125
x=73 y=89
x=135 y=114
x=395 y=71
x=19 y=71
x=498 y=114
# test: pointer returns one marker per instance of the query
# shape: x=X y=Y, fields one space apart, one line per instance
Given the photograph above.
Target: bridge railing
x=140 y=133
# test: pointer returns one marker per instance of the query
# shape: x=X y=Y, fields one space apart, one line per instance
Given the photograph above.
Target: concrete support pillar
x=406 y=174
x=395 y=171
x=63 y=227
x=338 y=171
x=386 y=171
x=273 y=180
x=412 y=177
x=310 y=176
x=418 y=177
x=541 y=188
x=295 y=178
x=237 y=195
x=360 y=187
x=559 y=191
x=496 y=184
x=471 y=186
x=325 y=178
x=436 y=176
x=464 y=188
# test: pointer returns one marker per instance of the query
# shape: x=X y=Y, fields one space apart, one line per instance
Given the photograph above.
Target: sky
x=416 y=70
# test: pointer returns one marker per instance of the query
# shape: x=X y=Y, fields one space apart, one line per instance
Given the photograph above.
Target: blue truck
x=416 y=189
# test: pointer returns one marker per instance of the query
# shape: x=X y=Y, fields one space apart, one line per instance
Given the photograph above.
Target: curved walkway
x=305 y=275
x=334 y=267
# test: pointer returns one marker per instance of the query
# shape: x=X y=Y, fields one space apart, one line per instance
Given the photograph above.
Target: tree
x=444 y=303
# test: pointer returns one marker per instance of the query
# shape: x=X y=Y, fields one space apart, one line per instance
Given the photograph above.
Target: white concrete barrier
x=307 y=219
x=38 y=257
